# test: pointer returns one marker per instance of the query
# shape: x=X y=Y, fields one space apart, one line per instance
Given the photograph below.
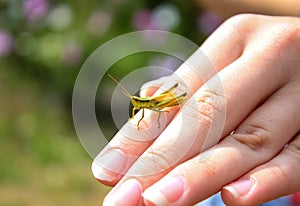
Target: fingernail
x=127 y=194
x=165 y=192
x=240 y=187
x=108 y=166
x=100 y=174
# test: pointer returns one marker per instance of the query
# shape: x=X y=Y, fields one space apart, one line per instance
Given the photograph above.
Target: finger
x=258 y=139
x=274 y=179
x=114 y=160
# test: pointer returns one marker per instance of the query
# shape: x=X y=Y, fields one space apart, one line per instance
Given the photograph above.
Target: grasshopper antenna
x=124 y=90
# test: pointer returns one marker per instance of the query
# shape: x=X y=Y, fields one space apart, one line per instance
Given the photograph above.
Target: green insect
x=155 y=103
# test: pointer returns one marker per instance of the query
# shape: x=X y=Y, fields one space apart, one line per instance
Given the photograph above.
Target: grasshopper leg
x=132 y=115
x=159 y=113
x=138 y=124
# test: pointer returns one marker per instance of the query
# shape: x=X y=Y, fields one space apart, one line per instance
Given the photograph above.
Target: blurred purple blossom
x=6 y=43
x=208 y=22
x=35 y=9
x=143 y=20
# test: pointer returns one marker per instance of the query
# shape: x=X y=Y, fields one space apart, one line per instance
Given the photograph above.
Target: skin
x=257 y=60
x=228 y=8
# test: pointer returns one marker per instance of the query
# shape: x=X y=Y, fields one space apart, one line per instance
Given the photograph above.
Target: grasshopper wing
x=166 y=95
x=172 y=101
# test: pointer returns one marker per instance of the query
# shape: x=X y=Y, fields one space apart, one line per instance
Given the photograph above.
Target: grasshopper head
x=135 y=101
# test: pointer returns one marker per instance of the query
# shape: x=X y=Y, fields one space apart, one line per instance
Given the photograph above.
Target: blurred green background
x=43 y=45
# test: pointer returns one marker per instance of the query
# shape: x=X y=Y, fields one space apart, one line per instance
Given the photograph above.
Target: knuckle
x=294 y=148
x=276 y=171
x=285 y=36
x=282 y=35
x=210 y=105
x=159 y=158
x=211 y=167
x=241 y=21
x=253 y=136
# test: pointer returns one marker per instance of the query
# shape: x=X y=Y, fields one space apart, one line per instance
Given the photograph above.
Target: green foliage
x=43 y=44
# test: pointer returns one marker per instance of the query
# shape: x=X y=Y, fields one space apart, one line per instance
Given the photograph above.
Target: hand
x=196 y=155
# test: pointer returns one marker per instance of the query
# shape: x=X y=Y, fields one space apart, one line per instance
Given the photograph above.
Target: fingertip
x=234 y=192
x=148 y=203
x=228 y=196
x=127 y=192
x=102 y=175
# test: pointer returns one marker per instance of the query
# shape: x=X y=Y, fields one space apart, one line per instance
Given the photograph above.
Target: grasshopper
x=155 y=103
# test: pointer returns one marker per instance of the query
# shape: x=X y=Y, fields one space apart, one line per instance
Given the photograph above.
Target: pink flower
x=35 y=9
x=143 y=20
x=6 y=43
x=208 y=22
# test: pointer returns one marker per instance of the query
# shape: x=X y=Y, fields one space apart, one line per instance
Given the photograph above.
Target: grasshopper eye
x=133 y=107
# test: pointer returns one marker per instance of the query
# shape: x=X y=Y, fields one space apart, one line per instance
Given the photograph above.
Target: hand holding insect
x=257 y=60
x=155 y=103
